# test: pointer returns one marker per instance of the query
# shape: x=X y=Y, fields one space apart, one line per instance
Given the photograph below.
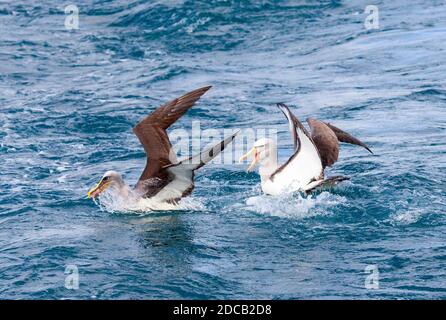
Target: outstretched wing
x=346 y=137
x=325 y=140
x=181 y=175
x=151 y=132
x=326 y=137
x=305 y=164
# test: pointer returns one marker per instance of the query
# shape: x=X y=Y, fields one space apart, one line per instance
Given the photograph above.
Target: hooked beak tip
x=96 y=190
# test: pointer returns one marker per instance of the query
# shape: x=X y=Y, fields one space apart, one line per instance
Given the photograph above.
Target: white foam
x=109 y=202
x=407 y=217
x=294 y=205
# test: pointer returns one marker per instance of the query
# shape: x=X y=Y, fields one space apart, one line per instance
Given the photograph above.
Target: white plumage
x=304 y=170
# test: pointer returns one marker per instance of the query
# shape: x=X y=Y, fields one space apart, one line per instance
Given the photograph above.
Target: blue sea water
x=69 y=98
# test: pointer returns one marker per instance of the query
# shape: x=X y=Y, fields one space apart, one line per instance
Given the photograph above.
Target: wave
x=408 y=217
x=210 y=25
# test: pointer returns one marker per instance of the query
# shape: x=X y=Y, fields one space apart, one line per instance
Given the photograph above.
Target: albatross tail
x=324 y=184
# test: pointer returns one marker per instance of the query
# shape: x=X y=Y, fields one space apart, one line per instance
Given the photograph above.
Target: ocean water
x=69 y=98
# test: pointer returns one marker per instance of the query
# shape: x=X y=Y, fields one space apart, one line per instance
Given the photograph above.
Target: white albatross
x=304 y=170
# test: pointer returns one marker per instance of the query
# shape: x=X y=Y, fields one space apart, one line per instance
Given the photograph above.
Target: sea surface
x=69 y=100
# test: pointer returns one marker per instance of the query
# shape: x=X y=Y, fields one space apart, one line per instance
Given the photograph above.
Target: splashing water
x=113 y=203
x=294 y=205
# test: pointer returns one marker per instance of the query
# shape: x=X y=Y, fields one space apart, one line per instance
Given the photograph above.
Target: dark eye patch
x=105 y=179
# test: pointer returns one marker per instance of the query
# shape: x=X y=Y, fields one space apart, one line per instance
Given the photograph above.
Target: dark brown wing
x=345 y=137
x=325 y=140
x=327 y=137
x=151 y=132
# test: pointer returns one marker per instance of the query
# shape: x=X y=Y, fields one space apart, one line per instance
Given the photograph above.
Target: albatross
x=164 y=179
x=313 y=152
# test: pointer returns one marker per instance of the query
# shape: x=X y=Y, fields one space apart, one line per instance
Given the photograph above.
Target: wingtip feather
x=204 y=89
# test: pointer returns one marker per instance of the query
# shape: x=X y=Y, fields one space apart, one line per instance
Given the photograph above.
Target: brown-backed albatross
x=313 y=152
x=164 y=179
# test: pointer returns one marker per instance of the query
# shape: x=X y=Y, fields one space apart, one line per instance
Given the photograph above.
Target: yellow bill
x=98 y=189
x=254 y=161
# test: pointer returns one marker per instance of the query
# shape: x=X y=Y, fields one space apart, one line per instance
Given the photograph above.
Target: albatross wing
x=303 y=167
x=181 y=175
x=151 y=132
x=346 y=137
x=326 y=138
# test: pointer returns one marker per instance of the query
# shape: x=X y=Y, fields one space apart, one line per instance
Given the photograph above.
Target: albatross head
x=265 y=153
x=111 y=179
